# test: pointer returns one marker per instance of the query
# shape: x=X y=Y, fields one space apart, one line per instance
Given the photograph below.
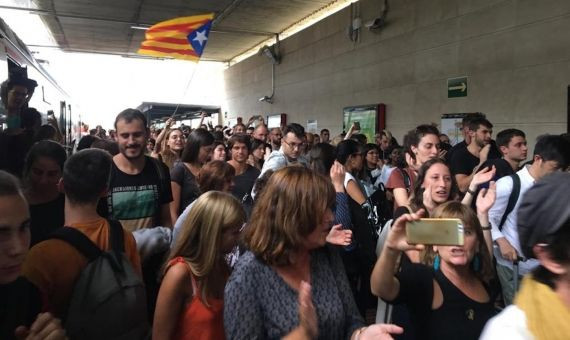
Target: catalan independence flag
x=180 y=38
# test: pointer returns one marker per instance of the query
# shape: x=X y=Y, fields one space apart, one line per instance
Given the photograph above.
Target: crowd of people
x=247 y=232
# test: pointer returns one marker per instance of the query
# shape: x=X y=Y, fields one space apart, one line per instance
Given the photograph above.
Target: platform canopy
x=117 y=26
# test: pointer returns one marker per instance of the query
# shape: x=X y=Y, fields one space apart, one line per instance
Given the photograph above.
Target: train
x=48 y=97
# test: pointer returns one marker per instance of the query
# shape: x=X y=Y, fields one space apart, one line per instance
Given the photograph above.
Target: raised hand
x=337 y=174
x=397 y=239
x=486 y=198
x=482 y=176
x=339 y=236
x=484 y=153
x=428 y=200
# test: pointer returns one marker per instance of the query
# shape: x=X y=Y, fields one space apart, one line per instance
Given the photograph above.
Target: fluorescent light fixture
x=140 y=27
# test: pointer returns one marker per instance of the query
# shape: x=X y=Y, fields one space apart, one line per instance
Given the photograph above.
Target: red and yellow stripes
x=169 y=38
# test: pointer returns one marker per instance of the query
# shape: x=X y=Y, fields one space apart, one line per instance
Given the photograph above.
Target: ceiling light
x=140 y=27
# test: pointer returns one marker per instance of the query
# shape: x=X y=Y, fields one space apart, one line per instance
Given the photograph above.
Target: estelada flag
x=180 y=38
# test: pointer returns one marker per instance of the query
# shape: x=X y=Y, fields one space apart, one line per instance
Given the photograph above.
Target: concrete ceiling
x=104 y=26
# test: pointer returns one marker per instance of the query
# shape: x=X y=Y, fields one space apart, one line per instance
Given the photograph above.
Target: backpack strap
x=407 y=179
x=116 y=236
x=79 y=241
x=513 y=198
x=161 y=178
x=159 y=169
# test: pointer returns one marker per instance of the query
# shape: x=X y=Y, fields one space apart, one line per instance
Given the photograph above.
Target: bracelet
x=469 y=191
x=486 y=227
x=358 y=332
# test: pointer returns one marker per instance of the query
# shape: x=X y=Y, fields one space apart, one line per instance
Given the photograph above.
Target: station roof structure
x=162 y=111
x=114 y=26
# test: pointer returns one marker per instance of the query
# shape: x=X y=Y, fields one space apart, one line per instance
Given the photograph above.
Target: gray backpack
x=109 y=299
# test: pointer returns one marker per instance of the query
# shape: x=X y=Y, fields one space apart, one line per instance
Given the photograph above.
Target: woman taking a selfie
x=448 y=294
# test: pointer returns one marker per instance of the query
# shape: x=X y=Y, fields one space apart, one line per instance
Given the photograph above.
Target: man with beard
x=275 y=138
x=139 y=195
x=139 y=188
x=465 y=162
x=240 y=147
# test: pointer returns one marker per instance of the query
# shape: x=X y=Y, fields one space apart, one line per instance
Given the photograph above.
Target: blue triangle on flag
x=199 y=37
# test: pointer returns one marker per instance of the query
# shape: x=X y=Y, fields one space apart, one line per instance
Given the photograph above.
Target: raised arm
x=383 y=280
x=485 y=201
x=350 y=131
x=160 y=138
x=479 y=178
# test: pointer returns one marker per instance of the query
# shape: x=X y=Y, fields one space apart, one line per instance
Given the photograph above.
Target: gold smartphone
x=436 y=231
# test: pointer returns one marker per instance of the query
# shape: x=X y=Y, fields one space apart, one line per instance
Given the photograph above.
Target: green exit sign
x=457 y=87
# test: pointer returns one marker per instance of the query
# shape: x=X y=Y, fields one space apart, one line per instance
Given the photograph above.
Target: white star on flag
x=201 y=37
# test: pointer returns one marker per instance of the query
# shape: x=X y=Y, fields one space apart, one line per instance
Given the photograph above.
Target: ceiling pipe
x=273 y=54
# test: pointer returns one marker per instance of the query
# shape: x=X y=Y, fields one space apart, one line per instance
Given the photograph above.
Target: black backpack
x=382 y=208
x=109 y=299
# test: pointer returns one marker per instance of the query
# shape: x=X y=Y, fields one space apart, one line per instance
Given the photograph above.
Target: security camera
x=266 y=99
x=376 y=23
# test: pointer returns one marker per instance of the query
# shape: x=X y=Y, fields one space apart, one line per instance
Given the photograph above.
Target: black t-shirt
x=21 y=304
x=493 y=153
x=45 y=218
x=244 y=182
x=136 y=200
x=503 y=168
x=459 y=317
x=453 y=149
x=189 y=190
x=462 y=162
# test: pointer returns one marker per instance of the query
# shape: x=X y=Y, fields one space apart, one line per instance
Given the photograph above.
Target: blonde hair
x=167 y=155
x=454 y=209
x=200 y=238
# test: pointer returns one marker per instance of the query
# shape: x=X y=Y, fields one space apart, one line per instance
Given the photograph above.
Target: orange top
x=53 y=265
x=199 y=322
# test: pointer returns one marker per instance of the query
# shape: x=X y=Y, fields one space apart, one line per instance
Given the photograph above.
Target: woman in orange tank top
x=190 y=300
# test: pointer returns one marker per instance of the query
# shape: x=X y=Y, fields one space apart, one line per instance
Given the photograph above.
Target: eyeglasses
x=293 y=145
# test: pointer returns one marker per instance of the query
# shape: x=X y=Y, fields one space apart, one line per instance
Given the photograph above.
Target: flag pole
x=185 y=89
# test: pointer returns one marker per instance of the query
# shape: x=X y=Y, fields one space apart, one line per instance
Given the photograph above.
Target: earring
x=436 y=262
x=476 y=263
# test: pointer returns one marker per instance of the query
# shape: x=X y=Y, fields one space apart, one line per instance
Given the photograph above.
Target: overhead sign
x=312 y=126
x=457 y=87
